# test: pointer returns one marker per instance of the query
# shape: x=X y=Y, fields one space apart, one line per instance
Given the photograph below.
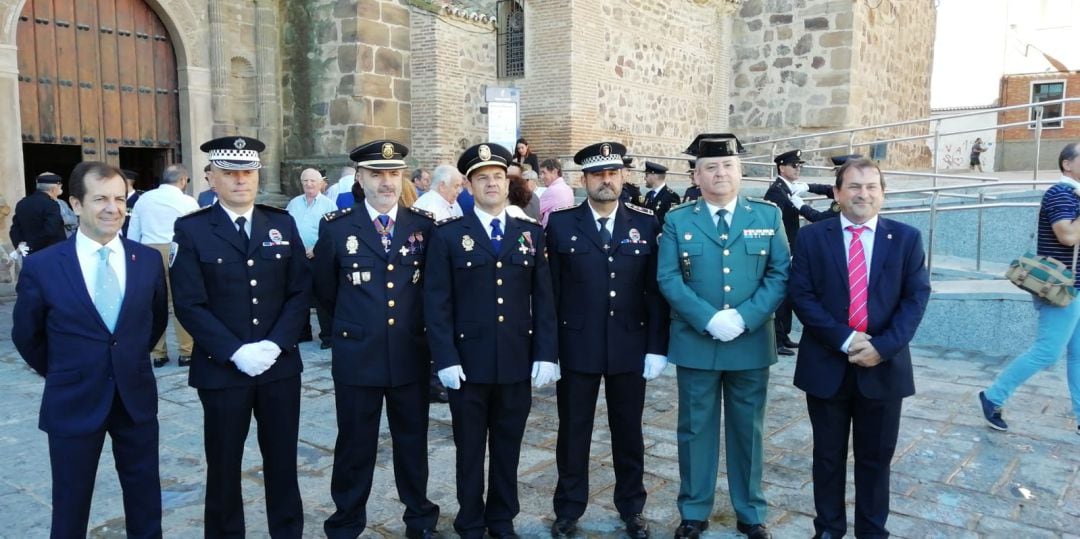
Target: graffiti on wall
x=957 y=154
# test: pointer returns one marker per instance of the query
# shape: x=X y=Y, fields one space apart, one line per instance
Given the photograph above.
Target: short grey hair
x=173 y=174
x=443 y=174
x=530 y=175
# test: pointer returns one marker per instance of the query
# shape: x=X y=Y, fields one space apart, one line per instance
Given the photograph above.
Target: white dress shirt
x=153 y=216
x=485 y=219
x=867 y=240
x=233 y=216
x=374 y=214
x=730 y=207
x=609 y=225
x=89 y=260
x=433 y=202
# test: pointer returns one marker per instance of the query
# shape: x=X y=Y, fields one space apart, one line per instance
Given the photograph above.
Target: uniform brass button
x=613 y=275
x=498 y=282
x=251 y=263
x=468 y=264
x=637 y=252
x=277 y=256
x=763 y=252
x=612 y=313
x=727 y=270
x=498 y=264
x=726 y=306
x=344 y=333
x=254 y=301
x=254 y=282
x=727 y=288
x=389 y=267
x=502 y=318
x=612 y=293
x=530 y=332
x=255 y=321
x=685 y=254
x=526 y=262
x=462 y=336
x=219 y=261
x=416 y=262
x=571 y=249
x=390 y=285
x=390 y=321
x=355 y=265
x=726 y=252
x=390 y=303
x=610 y=259
x=500 y=300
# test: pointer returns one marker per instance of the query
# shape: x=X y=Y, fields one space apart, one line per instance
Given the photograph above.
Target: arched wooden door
x=97 y=83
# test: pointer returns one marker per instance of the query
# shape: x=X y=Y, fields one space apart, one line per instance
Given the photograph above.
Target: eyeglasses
x=796 y=165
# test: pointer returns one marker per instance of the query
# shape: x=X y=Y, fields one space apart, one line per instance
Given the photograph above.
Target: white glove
x=796 y=201
x=270 y=348
x=544 y=373
x=654 y=365
x=726 y=325
x=452 y=377
x=799 y=188
x=23 y=248
x=252 y=359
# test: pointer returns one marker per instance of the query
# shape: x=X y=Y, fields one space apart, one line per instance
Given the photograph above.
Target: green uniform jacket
x=700 y=274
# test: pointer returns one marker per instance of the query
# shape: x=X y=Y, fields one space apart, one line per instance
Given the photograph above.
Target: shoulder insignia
x=423 y=213
x=330 y=216
x=639 y=209
x=687 y=204
x=762 y=201
x=275 y=209
x=564 y=208
x=196 y=212
x=528 y=219
x=447 y=220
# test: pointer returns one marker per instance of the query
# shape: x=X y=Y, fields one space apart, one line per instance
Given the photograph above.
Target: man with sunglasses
x=785 y=192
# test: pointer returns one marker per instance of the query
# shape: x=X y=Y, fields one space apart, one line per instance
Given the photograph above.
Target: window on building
x=1048 y=91
x=511 y=39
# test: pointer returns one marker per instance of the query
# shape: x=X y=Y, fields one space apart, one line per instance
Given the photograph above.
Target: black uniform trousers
x=782 y=320
x=876 y=425
x=227 y=418
x=577 y=393
x=359 y=410
x=74 y=462
x=488 y=416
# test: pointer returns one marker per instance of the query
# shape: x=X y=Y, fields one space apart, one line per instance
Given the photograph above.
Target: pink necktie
x=857 y=281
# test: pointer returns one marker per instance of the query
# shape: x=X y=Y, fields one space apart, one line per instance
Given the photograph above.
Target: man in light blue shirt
x=307 y=210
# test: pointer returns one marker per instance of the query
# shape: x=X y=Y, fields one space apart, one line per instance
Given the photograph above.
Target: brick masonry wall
x=1016 y=90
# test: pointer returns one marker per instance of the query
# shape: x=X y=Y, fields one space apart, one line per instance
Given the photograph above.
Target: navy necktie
x=240 y=222
x=496 y=235
x=605 y=236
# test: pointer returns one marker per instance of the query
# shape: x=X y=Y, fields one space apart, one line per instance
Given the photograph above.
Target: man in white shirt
x=347 y=177
x=307 y=209
x=152 y=225
x=441 y=198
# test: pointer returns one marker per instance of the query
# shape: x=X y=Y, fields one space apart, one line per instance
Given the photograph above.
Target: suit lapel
x=621 y=229
x=260 y=230
x=881 y=251
x=703 y=220
x=135 y=269
x=226 y=229
x=478 y=233
x=511 y=232
x=836 y=249
x=743 y=217
x=402 y=228
x=368 y=234
x=779 y=183
x=70 y=264
x=587 y=226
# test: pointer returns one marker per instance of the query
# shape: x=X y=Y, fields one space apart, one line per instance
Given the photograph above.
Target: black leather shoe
x=992 y=413
x=691 y=529
x=183 y=361
x=564 y=528
x=503 y=535
x=753 y=531
x=637 y=527
x=784 y=351
x=826 y=535
x=325 y=345
x=426 y=533
x=786 y=342
x=438 y=392
x=160 y=362
x=306 y=338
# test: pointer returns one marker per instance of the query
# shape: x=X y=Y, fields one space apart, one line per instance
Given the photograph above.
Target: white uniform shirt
x=153 y=216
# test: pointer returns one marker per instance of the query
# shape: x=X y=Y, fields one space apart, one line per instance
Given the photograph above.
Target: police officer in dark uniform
x=369 y=271
x=631 y=193
x=613 y=325
x=491 y=325
x=660 y=197
x=694 y=191
x=242 y=287
x=785 y=191
x=131 y=178
x=37 y=220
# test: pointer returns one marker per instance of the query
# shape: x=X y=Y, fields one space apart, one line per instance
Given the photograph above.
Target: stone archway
x=192 y=62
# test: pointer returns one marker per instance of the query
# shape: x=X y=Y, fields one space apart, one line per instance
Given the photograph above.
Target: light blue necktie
x=107 y=293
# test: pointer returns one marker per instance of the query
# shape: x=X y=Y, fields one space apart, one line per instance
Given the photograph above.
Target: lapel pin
x=888 y=236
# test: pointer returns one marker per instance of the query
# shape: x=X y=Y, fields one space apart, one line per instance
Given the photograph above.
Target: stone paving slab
x=952 y=476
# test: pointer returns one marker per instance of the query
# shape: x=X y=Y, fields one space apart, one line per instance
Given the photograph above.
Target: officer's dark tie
x=721 y=223
x=649 y=197
x=240 y=222
x=496 y=235
x=605 y=236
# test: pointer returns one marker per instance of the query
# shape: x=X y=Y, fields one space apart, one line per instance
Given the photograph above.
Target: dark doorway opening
x=148 y=162
x=56 y=158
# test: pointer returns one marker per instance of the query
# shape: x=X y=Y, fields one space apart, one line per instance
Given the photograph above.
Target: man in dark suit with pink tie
x=859 y=285
x=89 y=310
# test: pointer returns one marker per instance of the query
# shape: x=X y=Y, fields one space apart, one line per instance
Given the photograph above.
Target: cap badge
x=605 y=149
x=387 y=150
x=485 y=152
x=239 y=144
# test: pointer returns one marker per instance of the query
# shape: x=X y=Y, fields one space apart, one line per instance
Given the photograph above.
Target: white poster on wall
x=502 y=123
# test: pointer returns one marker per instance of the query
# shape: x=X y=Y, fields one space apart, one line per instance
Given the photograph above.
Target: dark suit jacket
x=635 y=319
x=226 y=296
x=778 y=193
x=37 y=221
x=379 y=337
x=899 y=290
x=61 y=336
x=664 y=200
x=492 y=313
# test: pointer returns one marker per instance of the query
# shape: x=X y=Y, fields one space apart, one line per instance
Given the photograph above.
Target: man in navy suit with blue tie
x=242 y=287
x=859 y=285
x=491 y=325
x=88 y=312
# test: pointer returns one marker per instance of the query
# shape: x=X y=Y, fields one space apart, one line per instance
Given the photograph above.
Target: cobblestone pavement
x=952 y=477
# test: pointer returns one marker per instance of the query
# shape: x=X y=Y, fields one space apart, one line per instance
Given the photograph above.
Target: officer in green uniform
x=723 y=266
